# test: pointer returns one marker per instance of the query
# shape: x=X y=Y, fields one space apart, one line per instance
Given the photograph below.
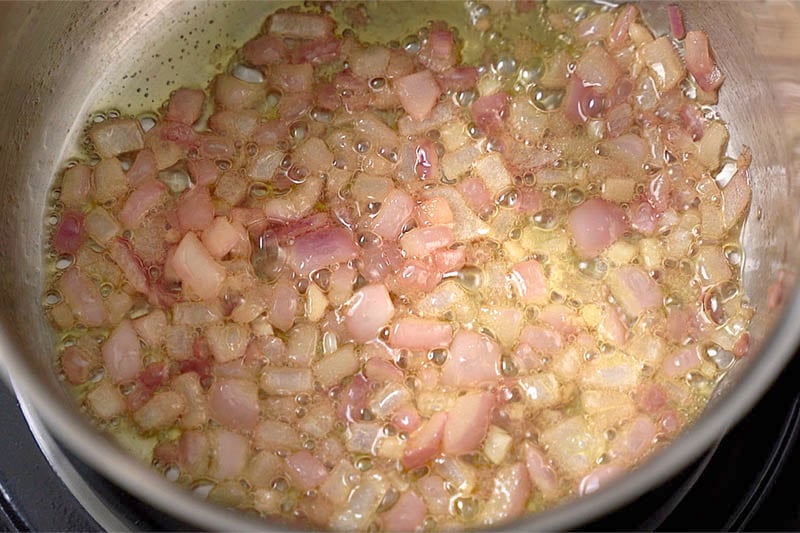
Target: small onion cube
x=161 y=411
x=286 y=381
x=420 y=334
x=234 y=403
x=200 y=273
x=473 y=359
x=114 y=137
x=368 y=311
x=467 y=423
x=105 y=401
x=122 y=353
x=418 y=93
x=332 y=368
x=305 y=470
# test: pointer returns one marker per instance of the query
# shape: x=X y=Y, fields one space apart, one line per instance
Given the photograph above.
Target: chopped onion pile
x=381 y=288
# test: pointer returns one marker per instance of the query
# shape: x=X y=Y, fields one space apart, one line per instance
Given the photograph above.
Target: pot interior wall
x=65 y=60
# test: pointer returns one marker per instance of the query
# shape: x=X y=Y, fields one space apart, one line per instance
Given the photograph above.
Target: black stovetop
x=748 y=481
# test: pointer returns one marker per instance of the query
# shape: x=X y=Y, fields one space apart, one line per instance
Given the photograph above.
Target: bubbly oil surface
x=512 y=54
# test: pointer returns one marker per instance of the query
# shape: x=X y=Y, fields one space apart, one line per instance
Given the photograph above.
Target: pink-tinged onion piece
x=619 y=35
x=597 y=68
x=700 y=62
x=305 y=470
x=160 y=412
x=317 y=51
x=195 y=209
x=529 y=281
x=130 y=264
x=420 y=334
x=394 y=212
x=664 y=63
x=650 y=397
x=203 y=171
x=599 y=478
x=676 y=26
x=540 y=471
x=595 y=28
x=150 y=193
x=561 y=318
x=512 y=487
x=314 y=155
x=378 y=261
x=369 y=62
x=368 y=311
x=75 y=186
x=425 y=443
x=83 y=298
x=581 y=101
x=473 y=359
x=417 y=276
x=301 y=227
x=193 y=452
x=229 y=454
x=382 y=371
x=736 y=194
x=612 y=327
x=636 y=439
x=122 y=356
x=433 y=211
x=475 y=194
x=680 y=362
x=635 y=290
x=407 y=514
x=467 y=423
x=434 y=493
x=185 y=105
x=426 y=166
x=321 y=248
x=151 y=327
x=197 y=269
x=643 y=217
x=353 y=399
x=406 y=418
x=488 y=112
x=237 y=125
x=421 y=242
x=69 y=234
x=283 y=307
x=595 y=225
x=542 y=339
x=222 y=237
x=418 y=93
x=105 y=401
x=265 y=50
x=231 y=93
x=286 y=381
x=114 y=137
x=459 y=78
x=439 y=52
x=234 y=403
x=292 y=78
x=296 y=204
x=450 y=259
x=77 y=364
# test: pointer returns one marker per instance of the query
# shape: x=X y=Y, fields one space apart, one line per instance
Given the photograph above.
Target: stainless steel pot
x=62 y=60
